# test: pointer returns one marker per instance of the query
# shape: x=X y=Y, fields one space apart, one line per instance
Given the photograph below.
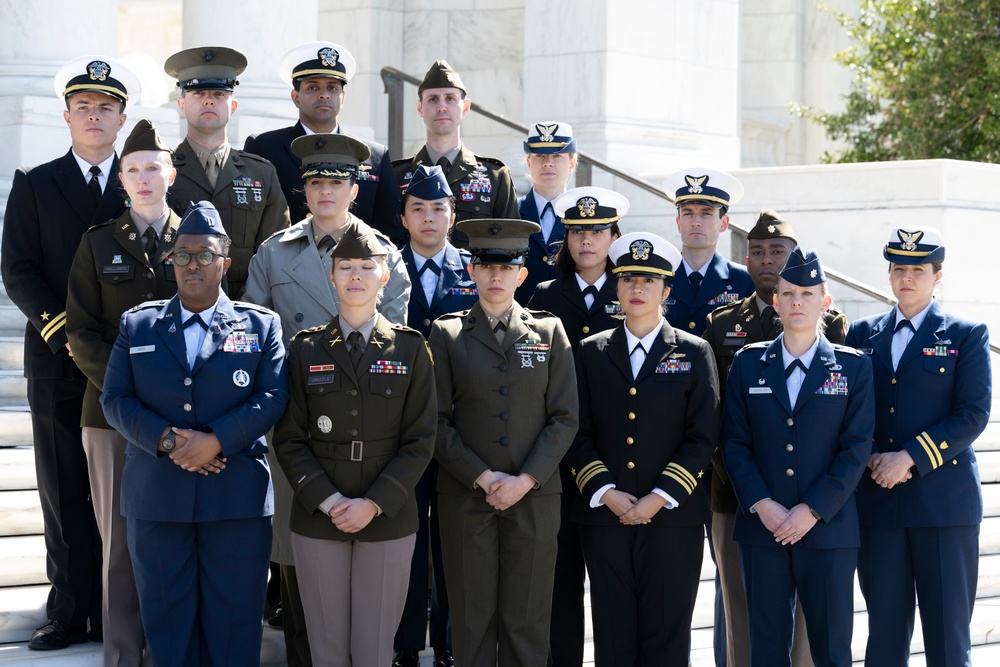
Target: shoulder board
x=453 y=316
x=848 y=350
x=759 y=345
x=404 y=328
x=490 y=160
x=539 y=314
x=309 y=331
x=246 y=305
x=253 y=157
x=149 y=304
x=402 y=160
x=100 y=224
x=725 y=310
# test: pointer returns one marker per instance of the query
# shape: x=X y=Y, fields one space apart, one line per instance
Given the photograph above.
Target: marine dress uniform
x=809 y=447
x=377 y=202
x=543 y=138
x=920 y=539
x=48 y=210
x=356 y=429
x=246 y=191
x=644 y=429
x=199 y=543
x=509 y=407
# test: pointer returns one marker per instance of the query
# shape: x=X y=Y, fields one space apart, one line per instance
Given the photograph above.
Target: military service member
x=119 y=265
x=705 y=280
x=649 y=417
x=49 y=208
x=243 y=187
x=507 y=400
x=319 y=73
x=482 y=185
x=727 y=330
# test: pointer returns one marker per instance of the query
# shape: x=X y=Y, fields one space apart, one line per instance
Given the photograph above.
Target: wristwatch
x=168 y=442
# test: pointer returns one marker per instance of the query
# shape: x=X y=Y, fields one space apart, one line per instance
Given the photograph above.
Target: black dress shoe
x=277 y=619
x=406 y=657
x=56 y=635
x=443 y=658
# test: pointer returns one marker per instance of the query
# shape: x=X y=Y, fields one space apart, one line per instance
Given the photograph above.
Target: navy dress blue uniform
x=724 y=283
x=921 y=537
x=563 y=298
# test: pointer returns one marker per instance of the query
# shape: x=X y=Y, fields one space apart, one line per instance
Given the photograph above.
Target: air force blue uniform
x=814 y=453
x=724 y=283
x=921 y=537
x=199 y=543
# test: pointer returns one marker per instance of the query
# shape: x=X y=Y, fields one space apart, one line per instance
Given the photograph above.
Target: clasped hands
x=503 y=490
x=197 y=451
x=631 y=510
x=787 y=526
x=351 y=515
x=890 y=468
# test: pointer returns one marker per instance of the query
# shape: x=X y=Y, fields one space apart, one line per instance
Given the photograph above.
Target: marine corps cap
x=355 y=246
x=317 y=60
x=699 y=185
x=441 y=75
x=428 y=183
x=144 y=137
x=330 y=155
x=498 y=241
x=202 y=218
x=97 y=74
x=917 y=245
x=770 y=225
x=644 y=254
x=549 y=137
x=803 y=269
x=590 y=208
x=206 y=68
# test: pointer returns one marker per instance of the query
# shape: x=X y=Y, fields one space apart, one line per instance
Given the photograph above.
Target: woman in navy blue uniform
x=649 y=417
x=550 y=153
x=921 y=504
x=584 y=299
x=796 y=435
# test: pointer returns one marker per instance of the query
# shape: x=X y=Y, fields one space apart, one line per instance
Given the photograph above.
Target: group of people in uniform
x=405 y=388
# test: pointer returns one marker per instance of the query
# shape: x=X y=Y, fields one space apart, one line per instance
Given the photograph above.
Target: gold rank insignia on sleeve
x=681 y=476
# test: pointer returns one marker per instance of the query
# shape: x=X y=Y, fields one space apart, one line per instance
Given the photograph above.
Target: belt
x=354 y=450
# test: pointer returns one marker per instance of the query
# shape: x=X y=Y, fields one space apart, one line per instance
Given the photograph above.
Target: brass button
x=892 y=411
x=187 y=382
x=629 y=441
x=691 y=325
x=630 y=465
x=631 y=416
x=631 y=392
x=790 y=421
x=941 y=369
x=586 y=330
x=894 y=380
x=187 y=407
x=789 y=448
x=790 y=472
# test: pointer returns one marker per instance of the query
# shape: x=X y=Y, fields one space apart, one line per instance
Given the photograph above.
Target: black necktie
x=150 y=243
x=429 y=265
x=904 y=324
x=695 y=279
x=445 y=164
x=767 y=321
x=357 y=349
x=94 y=184
x=790 y=368
x=195 y=320
x=325 y=244
x=592 y=291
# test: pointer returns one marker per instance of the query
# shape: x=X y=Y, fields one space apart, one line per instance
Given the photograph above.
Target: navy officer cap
x=428 y=183
x=803 y=269
x=202 y=218
x=644 y=254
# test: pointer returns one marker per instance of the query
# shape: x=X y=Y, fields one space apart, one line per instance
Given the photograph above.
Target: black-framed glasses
x=204 y=258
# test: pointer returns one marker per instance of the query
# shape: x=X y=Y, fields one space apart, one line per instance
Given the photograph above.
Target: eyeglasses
x=204 y=258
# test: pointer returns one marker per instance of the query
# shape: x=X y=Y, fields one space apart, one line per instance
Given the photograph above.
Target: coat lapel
x=881 y=340
x=774 y=374
x=186 y=162
x=416 y=287
x=823 y=361
x=127 y=236
x=662 y=349
x=336 y=346
x=477 y=325
x=927 y=336
x=307 y=270
x=166 y=246
x=571 y=292
x=380 y=339
x=451 y=272
x=230 y=172
x=618 y=351
x=171 y=330
x=224 y=322
x=71 y=182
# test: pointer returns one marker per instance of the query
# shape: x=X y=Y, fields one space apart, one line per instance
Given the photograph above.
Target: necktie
x=94 y=184
x=357 y=347
x=767 y=321
x=500 y=330
x=150 y=243
x=903 y=324
x=547 y=220
x=695 y=279
x=589 y=296
x=195 y=320
x=790 y=368
x=212 y=169
x=637 y=357
x=444 y=164
x=430 y=265
x=325 y=244
x=900 y=339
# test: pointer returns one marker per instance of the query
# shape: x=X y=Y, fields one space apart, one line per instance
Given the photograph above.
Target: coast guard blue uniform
x=455 y=289
x=724 y=283
x=920 y=539
x=540 y=261
x=812 y=453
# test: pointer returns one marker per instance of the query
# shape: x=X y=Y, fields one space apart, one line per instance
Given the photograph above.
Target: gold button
x=790 y=421
x=630 y=465
x=629 y=441
x=894 y=380
x=892 y=411
x=954 y=462
x=586 y=330
x=790 y=472
x=691 y=325
x=631 y=415
x=941 y=369
x=789 y=448
x=187 y=407
x=631 y=392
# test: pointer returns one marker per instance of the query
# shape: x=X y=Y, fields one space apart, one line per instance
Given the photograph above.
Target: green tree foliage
x=926 y=82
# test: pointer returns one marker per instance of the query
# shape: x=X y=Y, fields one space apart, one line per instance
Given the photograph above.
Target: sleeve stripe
x=677 y=469
x=57 y=322
x=588 y=472
x=933 y=453
x=684 y=483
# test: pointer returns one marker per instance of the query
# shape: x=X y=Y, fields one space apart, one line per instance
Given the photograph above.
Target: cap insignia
x=494 y=229
x=98 y=70
x=208 y=55
x=546 y=132
x=587 y=206
x=695 y=183
x=320 y=143
x=909 y=239
x=812 y=274
x=640 y=250
x=328 y=57
x=771 y=229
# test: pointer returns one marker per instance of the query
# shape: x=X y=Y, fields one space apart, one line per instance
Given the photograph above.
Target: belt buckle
x=357 y=449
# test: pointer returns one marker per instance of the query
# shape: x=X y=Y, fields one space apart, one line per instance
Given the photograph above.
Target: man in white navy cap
x=49 y=208
x=319 y=73
x=482 y=186
x=243 y=187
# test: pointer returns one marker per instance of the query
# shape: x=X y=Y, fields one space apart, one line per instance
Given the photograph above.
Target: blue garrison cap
x=803 y=269
x=202 y=218
x=428 y=183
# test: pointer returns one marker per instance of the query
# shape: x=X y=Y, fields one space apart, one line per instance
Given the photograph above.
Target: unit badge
x=241 y=378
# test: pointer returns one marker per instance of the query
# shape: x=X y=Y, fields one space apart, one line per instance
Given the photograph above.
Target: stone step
x=17 y=468
x=991 y=499
x=11 y=352
x=23 y=558
x=20 y=513
x=12 y=320
x=13 y=385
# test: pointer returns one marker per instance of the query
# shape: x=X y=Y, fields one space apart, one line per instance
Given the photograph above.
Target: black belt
x=354 y=450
